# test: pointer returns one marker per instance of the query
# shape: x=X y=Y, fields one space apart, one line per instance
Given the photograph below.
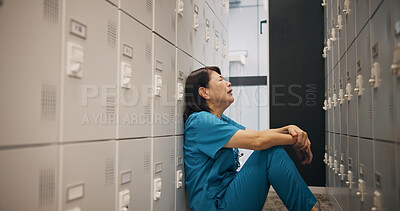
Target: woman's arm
x=259 y=140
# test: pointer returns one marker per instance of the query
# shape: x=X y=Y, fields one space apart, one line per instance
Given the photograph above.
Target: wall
x=362 y=103
x=91 y=117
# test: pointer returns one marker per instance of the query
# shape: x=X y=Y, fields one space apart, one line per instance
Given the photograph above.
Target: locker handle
x=261 y=23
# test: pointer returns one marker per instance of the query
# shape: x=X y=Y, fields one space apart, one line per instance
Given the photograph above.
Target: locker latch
x=359 y=85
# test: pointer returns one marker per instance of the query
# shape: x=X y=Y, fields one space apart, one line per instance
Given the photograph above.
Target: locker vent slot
x=149 y=7
x=172 y=115
x=148 y=52
x=172 y=205
x=369 y=110
x=146 y=163
x=48 y=101
x=50 y=10
x=391 y=108
x=109 y=173
x=147 y=111
x=173 y=63
x=47 y=187
x=111 y=33
x=173 y=23
x=172 y=155
x=110 y=109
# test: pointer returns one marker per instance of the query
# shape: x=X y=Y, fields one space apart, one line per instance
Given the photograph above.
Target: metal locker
x=163 y=184
x=164 y=68
x=225 y=13
x=29 y=178
x=349 y=15
x=29 y=76
x=365 y=183
x=342 y=101
x=362 y=15
x=225 y=54
x=182 y=203
x=384 y=176
x=381 y=77
x=336 y=168
x=184 y=68
x=89 y=74
x=335 y=105
x=334 y=33
x=141 y=10
x=396 y=63
x=326 y=158
x=164 y=22
x=351 y=98
x=343 y=169
x=352 y=173
x=332 y=175
x=200 y=30
x=211 y=37
x=185 y=23
x=88 y=176
x=362 y=88
x=134 y=174
x=325 y=106
x=341 y=29
x=134 y=79
x=331 y=122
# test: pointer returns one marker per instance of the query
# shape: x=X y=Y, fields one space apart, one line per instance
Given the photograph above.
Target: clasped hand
x=302 y=145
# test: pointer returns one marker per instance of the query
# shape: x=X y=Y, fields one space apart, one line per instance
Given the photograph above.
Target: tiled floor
x=274 y=203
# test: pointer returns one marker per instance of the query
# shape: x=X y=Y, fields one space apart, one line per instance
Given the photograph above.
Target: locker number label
x=127 y=51
x=378 y=180
x=375 y=49
x=126 y=177
x=78 y=29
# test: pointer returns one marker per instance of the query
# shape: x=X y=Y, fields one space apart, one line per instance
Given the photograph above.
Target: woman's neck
x=216 y=111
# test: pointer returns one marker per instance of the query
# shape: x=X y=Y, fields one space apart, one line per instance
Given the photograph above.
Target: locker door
x=381 y=77
x=350 y=84
x=365 y=183
x=184 y=68
x=165 y=19
x=336 y=166
x=331 y=123
x=352 y=177
x=341 y=28
x=181 y=201
x=134 y=79
x=89 y=74
x=199 y=31
x=29 y=175
x=164 y=74
x=341 y=96
x=364 y=96
x=331 y=159
x=88 y=176
x=210 y=36
x=396 y=62
x=163 y=185
x=384 y=178
x=335 y=105
x=334 y=35
x=343 y=169
x=141 y=10
x=185 y=20
x=134 y=173
x=29 y=80
x=349 y=12
x=362 y=14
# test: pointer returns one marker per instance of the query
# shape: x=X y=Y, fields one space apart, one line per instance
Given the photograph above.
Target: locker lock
x=333 y=35
x=325 y=107
x=326 y=158
x=349 y=181
x=341 y=96
x=374 y=80
x=329 y=102
x=328 y=45
x=342 y=174
x=359 y=85
x=195 y=22
x=395 y=67
x=324 y=54
x=339 y=26
x=335 y=164
x=323 y=3
x=180 y=7
x=361 y=189
x=346 y=9
x=377 y=201
x=334 y=100
x=348 y=94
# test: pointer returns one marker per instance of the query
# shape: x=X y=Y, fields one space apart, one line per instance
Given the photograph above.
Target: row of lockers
x=363 y=174
x=135 y=174
x=84 y=70
x=362 y=77
x=362 y=57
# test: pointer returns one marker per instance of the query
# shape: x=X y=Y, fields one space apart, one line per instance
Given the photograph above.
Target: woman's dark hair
x=195 y=80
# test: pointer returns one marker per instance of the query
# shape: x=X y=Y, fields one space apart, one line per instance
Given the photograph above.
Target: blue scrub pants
x=273 y=166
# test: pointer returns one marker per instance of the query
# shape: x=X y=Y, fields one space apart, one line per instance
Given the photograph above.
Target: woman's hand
x=302 y=145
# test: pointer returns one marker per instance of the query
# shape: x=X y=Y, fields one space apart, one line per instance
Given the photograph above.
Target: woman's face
x=220 y=90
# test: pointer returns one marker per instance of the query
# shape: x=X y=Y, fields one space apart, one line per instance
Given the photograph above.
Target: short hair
x=195 y=80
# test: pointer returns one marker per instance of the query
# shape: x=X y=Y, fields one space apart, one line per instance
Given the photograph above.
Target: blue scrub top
x=209 y=168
